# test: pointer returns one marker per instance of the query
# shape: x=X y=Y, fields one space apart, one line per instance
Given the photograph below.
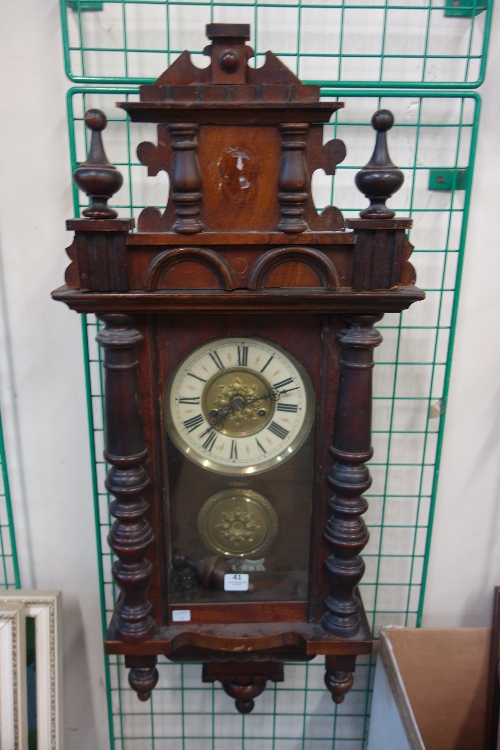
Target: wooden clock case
x=239 y=250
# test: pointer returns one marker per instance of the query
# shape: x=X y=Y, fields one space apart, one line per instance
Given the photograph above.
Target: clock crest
x=238 y=352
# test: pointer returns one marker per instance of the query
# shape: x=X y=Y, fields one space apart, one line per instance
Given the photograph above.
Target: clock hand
x=217 y=417
x=272 y=394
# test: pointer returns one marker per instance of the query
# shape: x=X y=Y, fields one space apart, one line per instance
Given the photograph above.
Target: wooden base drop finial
x=339 y=677
x=244 y=690
x=339 y=684
x=243 y=681
x=143 y=675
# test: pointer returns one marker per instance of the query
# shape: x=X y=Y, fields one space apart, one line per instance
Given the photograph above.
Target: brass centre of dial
x=238 y=402
x=237 y=522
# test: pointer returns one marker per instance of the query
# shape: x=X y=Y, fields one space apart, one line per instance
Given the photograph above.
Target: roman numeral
x=193 y=422
x=268 y=361
x=283 y=383
x=217 y=360
x=287 y=407
x=192 y=400
x=243 y=356
x=260 y=446
x=234 y=450
x=209 y=442
x=278 y=430
x=196 y=376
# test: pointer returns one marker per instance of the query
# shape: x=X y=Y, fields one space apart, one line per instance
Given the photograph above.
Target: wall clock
x=238 y=336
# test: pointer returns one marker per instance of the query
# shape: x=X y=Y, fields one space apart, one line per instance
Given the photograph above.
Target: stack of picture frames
x=30 y=670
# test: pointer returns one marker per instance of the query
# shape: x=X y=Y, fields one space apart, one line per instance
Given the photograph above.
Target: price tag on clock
x=236 y=581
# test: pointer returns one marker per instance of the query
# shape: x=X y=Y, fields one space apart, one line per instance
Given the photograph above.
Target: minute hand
x=272 y=394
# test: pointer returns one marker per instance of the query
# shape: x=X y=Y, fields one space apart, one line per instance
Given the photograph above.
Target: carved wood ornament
x=238 y=254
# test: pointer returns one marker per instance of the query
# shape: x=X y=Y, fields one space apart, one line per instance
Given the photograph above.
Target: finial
x=380 y=178
x=96 y=176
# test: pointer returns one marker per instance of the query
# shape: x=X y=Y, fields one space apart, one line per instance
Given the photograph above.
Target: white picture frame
x=45 y=608
x=13 y=697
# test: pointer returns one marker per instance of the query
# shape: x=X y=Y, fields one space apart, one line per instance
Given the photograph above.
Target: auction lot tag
x=236 y=582
x=181 y=615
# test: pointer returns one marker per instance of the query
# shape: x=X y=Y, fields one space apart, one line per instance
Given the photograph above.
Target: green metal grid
x=368 y=43
x=432 y=130
x=9 y=568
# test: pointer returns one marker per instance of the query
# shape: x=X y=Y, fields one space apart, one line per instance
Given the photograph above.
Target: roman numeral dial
x=239 y=405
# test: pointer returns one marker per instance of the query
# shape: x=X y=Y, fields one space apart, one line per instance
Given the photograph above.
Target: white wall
x=464 y=563
x=43 y=394
x=42 y=383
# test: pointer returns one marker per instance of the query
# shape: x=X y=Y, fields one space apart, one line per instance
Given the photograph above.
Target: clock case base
x=244 y=657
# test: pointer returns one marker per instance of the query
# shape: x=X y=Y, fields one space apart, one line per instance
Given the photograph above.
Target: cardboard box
x=430 y=689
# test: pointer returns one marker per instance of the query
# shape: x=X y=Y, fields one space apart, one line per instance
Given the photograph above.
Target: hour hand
x=217 y=417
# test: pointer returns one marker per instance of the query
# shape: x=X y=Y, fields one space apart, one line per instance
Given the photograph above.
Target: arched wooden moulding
x=200 y=255
x=322 y=266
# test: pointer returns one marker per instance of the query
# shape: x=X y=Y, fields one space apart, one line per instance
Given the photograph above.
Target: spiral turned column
x=131 y=536
x=345 y=532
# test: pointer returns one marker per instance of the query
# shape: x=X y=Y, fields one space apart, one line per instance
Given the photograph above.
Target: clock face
x=239 y=405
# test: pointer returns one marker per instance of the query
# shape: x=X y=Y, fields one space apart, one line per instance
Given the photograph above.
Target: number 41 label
x=236 y=582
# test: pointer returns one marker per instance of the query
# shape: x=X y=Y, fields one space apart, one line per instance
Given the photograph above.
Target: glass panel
x=236 y=410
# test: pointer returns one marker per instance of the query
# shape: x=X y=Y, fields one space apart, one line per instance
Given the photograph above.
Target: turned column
x=293 y=178
x=345 y=532
x=131 y=536
x=186 y=178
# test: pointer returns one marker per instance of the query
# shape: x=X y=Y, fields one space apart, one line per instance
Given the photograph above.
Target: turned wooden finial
x=96 y=176
x=380 y=178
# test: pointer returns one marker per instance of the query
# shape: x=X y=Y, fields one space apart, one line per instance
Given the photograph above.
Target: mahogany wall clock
x=238 y=339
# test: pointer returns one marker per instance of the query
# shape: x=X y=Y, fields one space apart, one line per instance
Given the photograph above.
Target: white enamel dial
x=239 y=405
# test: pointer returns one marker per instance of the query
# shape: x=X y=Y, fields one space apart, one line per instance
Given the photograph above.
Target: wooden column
x=345 y=532
x=293 y=178
x=186 y=178
x=131 y=536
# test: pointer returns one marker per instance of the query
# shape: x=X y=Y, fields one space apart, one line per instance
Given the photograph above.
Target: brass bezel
x=210 y=465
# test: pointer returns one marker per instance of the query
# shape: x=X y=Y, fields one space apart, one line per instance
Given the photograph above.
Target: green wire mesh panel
x=432 y=132
x=9 y=570
x=334 y=42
